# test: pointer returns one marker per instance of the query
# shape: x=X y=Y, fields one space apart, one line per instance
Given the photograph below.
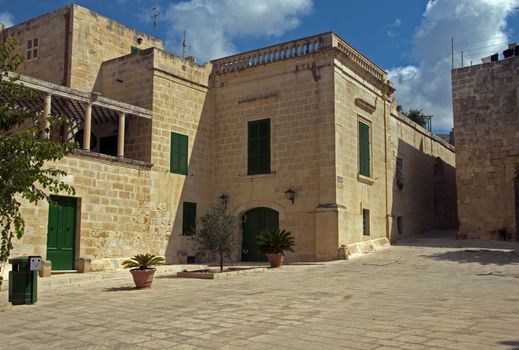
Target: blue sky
x=408 y=38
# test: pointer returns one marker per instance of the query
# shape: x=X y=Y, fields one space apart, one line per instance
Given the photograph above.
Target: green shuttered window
x=258 y=150
x=364 y=150
x=188 y=218
x=178 y=161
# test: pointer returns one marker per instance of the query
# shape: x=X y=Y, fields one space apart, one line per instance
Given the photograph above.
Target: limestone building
x=486 y=130
x=302 y=135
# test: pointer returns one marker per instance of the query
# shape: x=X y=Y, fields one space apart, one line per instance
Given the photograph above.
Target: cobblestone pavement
x=422 y=294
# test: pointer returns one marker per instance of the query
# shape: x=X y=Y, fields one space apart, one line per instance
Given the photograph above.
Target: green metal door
x=61 y=233
x=255 y=221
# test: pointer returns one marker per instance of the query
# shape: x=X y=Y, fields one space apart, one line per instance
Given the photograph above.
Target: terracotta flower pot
x=275 y=260
x=143 y=278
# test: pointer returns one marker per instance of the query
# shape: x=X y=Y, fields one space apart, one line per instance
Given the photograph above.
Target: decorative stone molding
x=364 y=105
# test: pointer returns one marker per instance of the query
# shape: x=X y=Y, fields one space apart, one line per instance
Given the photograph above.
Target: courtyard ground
x=426 y=293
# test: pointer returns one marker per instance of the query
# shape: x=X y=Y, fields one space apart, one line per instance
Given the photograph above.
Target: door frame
x=77 y=230
x=243 y=213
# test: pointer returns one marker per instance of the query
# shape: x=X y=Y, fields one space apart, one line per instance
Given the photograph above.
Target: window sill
x=260 y=176
x=365 y=179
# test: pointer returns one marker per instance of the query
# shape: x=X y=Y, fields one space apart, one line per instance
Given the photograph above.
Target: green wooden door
x=61 y=233
x=255 y=221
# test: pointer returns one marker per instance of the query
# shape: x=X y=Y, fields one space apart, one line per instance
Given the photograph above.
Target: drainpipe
x=384 y=97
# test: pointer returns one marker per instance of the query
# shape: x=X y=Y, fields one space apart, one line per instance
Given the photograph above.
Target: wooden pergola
x=80 y=107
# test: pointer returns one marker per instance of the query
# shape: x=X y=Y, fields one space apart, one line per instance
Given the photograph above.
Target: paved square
x=414 y=296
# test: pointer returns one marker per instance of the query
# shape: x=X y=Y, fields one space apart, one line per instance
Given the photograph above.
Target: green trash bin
x=23 y=283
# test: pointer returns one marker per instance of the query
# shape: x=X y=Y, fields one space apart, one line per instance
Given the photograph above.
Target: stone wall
x=51 y=31
x=96 y=39
x=115 y=212
x=300 y=109
x=356 y=192
x=181 y=104
x=129 y=79
x=73 y=43
x=486 y=130
x=426 y=197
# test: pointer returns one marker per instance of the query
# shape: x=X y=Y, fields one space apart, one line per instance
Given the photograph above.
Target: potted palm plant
x=273 y=243
x=142 y=269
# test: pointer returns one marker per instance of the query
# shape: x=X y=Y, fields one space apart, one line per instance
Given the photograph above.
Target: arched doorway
x=254 y=221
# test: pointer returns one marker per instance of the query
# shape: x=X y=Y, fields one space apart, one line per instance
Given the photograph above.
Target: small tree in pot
x=216 y=230
x=273 y=243
x=142 y=270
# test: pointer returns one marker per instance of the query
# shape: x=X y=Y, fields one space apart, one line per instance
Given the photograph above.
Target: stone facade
x=314 y=91
x=486 y=130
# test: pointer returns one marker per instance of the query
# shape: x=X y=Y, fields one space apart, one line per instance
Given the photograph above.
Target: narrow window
x=32 y=48
x=365 y=222
x=178 y=153
x=364 y=150
x=399 y=173
x=188 y=218
x=258 y=150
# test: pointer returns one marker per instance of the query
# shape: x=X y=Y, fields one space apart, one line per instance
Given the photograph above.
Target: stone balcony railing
x=295 y=49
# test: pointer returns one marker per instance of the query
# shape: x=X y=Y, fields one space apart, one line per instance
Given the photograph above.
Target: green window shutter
x=178 y=153
x=188 y=218
x=364 y=150
x=258 y=147
x=134 y=49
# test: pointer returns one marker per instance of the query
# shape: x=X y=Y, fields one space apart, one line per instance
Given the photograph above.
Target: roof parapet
x=295 y=49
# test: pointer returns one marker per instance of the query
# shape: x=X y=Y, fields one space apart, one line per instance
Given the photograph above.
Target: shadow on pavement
x=166 y=276
x=481 y=256
x=120 y=289
x=514 y=344
x=447 y=239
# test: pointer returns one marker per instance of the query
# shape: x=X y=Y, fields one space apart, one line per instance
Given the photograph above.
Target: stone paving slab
x=404 y=297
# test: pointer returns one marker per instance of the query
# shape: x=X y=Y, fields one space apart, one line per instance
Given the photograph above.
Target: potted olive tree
x=142 y=269
x=274 y=243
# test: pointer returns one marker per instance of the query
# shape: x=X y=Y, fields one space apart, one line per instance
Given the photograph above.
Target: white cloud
x=479 y=28
x=213 y=25
x=6 y=18
x=390 y=29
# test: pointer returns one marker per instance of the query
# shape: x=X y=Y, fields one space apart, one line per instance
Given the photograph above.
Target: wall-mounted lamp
x=224 y=197
x=291 y=194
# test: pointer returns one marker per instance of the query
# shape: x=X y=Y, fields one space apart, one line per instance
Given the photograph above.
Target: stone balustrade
x=280 y=52
x=295 y=49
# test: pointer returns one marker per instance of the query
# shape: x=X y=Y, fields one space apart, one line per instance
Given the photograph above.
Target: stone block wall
x=181 y=104
x=115 y=213
x=51 y=31
x=96 y=39
x=300 y=109
x=129 y=79
x=426 y=197
x=486 y=131
x=355 y=192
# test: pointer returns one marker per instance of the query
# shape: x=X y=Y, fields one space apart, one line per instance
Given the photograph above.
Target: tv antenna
x=184 y=46
x=154 y=16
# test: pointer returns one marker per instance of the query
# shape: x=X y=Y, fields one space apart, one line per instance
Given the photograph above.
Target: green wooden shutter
x=188 y=218
x=258 y=147
x=364 y=150
x=178 y=153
